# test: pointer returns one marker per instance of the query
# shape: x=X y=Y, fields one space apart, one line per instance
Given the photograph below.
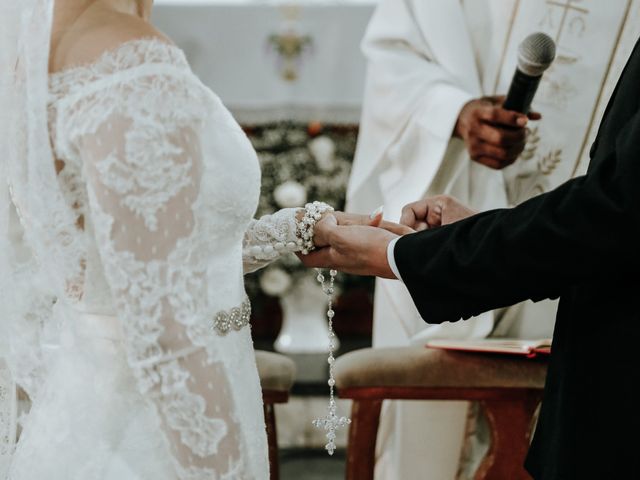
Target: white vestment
x=427 y=58
x=8 y=404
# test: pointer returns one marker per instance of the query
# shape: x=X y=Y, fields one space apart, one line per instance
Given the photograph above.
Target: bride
x=125 y=233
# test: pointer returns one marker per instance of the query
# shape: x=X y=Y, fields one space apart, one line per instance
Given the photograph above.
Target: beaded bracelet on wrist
x=304 y=228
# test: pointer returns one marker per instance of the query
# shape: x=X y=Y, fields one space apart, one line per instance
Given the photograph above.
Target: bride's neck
x=140 y=8
x=67 y=12
x=69 y=15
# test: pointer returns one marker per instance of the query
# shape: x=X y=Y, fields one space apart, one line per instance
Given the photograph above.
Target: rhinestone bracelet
x=304 y=228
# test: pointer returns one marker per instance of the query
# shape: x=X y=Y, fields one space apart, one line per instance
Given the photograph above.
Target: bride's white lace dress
x=152 y=371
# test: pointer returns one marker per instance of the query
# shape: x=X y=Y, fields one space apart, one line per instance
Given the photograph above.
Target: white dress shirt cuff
x=391 y=258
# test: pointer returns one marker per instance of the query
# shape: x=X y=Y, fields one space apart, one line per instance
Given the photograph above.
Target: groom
x=579 y=242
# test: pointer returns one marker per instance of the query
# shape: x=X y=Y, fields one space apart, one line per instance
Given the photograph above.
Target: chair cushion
x=276 y=371
x=425 y=367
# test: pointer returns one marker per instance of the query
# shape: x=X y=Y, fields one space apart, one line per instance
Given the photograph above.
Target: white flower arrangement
x=290 y=194
x=275 y=282
x=323 y=150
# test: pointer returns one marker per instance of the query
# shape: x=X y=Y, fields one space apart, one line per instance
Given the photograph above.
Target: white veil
x=29 y=193
x=9 y=27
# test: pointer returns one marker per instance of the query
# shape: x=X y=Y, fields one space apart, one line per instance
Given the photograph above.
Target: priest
x=429 y=62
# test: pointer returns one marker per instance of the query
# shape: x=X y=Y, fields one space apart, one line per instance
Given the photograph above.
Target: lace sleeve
x=270 y=237
x=143 y=164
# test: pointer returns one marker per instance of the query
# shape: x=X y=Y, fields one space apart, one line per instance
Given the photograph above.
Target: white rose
x=275 y=282
x=323 y=150
x=290 y=194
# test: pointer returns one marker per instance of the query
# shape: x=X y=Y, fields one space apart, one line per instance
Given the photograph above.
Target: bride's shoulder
x=87 y=43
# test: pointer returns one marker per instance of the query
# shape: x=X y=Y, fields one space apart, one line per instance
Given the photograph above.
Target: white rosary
x=331 y=422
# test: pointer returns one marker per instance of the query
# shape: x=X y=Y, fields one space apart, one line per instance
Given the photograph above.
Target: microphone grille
x=535 y=53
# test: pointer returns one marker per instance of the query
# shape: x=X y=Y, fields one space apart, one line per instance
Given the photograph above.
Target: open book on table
x=509 y=346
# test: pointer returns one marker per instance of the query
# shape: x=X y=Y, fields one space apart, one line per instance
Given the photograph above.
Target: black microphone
x=535 y=54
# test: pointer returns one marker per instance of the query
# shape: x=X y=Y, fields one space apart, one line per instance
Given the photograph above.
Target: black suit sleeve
x=585 y=231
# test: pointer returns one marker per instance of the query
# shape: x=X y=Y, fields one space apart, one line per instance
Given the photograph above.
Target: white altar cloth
x=228 y=45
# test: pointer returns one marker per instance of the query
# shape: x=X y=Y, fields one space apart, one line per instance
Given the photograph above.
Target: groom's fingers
x=408 y=216
x=414 y=213
x=323 y=230
x=434 y=216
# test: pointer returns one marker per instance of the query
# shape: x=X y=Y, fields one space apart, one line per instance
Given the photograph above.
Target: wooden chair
x=508 y=389
x=277 y=374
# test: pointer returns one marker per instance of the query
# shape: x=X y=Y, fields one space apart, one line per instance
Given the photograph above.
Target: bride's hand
x=372 y=220
x=333 y=219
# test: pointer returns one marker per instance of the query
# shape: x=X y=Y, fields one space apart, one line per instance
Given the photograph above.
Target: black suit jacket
x=579 y=242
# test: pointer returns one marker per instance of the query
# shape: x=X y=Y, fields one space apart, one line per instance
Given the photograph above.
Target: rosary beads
x=331 y=422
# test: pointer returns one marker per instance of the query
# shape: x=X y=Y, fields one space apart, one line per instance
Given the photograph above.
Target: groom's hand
x=357 y=249
x=434 y=212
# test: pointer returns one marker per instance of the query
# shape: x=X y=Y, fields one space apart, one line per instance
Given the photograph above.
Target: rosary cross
x=330 y=423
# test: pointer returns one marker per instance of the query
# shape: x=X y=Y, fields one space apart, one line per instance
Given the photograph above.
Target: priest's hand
x=434 y=212
x=494 y=137
x=356 y=249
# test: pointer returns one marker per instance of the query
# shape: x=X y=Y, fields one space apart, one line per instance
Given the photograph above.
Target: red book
x=507 y=346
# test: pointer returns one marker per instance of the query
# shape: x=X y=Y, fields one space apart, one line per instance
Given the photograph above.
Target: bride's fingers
x=420 y=226
x=377 y=221
x=376 y=217
x=373 y=220
x=396 y=228
x=352 y=219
